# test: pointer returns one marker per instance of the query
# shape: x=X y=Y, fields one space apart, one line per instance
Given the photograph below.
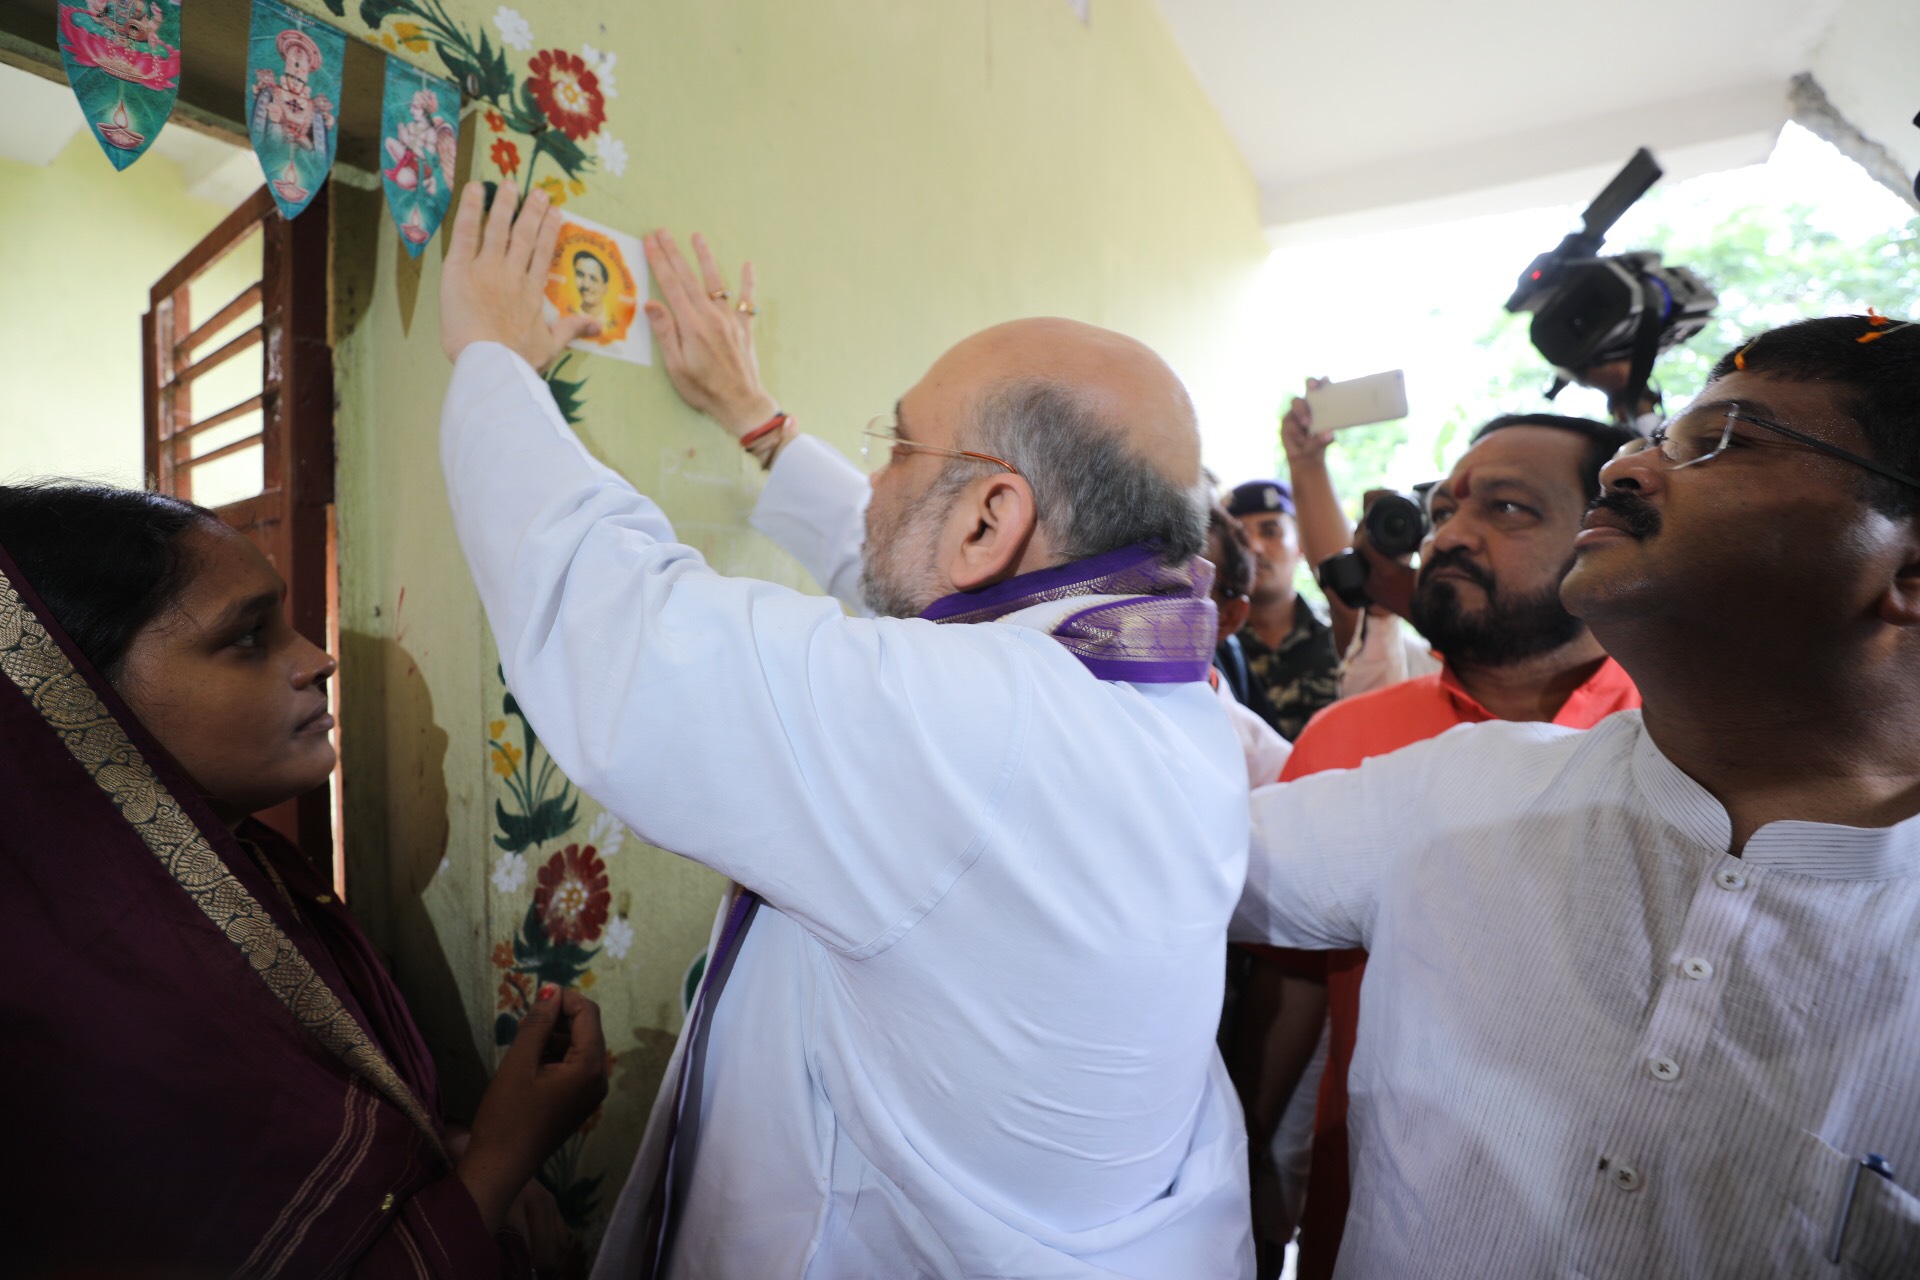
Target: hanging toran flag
x=123 y=61
x=293 y=88
x=419 y=140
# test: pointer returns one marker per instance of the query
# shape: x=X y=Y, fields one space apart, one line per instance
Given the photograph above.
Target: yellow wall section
x=902 y=174
x=80 y=245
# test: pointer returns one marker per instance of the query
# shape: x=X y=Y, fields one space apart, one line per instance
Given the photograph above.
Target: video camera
x=1395 y=524
x=1589 y=310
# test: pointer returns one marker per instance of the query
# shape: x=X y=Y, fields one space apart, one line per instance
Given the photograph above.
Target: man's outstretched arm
x=750 y=727
x=1320 y=856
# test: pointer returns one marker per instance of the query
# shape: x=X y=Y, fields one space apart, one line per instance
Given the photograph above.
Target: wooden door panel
x=290 y=517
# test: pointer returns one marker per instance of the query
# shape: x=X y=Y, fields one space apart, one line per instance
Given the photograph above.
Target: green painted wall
x=902 y=174
x=80 y=245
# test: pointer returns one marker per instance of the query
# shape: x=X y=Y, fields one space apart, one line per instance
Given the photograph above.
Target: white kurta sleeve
x=1322 y=850
x=814 y=507
x=843 y=768
x=1266 y=752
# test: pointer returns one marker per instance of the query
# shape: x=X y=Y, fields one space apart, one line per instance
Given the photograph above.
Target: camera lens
x=1396 y=525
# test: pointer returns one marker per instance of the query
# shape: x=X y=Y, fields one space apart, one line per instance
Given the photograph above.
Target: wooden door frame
x=292 y=518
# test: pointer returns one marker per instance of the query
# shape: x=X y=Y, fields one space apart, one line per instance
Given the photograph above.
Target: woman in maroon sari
x=207 y=1072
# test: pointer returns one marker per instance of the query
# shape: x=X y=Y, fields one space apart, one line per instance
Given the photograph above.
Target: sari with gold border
x=208 y=1071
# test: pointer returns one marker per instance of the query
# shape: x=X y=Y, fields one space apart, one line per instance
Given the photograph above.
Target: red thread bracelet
x=767 y=428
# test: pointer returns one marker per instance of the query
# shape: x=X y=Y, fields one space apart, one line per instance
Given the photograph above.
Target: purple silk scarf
x=206 y=1071
x=1162 y=633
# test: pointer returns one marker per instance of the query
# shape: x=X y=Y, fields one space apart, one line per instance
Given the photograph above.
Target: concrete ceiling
x=1363 y=116
x=39 y=117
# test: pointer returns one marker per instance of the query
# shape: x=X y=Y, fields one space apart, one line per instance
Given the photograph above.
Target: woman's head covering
x=200 y=1073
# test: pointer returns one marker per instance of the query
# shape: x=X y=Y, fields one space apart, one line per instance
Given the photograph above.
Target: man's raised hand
x=493 y=286
x=1298 y=439
x=706 y=337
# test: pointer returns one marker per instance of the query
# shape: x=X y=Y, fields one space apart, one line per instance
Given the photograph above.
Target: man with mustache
x=1487 y=598
x=1292 y=665
x=1640 y=999
x=959 y=1020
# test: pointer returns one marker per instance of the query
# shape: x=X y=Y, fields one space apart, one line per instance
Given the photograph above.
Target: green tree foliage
x=1771 y=265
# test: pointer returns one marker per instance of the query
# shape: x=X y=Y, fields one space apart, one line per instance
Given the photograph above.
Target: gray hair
x=1091 y=493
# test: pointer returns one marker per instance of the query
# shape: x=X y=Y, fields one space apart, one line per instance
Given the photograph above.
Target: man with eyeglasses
x=959 y=1019
x=1487 y=599
x=1641 y=1000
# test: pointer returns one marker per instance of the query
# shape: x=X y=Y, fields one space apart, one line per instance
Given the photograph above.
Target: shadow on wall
x=396 y=820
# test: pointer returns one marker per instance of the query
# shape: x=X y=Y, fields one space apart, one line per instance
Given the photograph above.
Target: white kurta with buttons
x=1592 y=1043
x=971 y=1032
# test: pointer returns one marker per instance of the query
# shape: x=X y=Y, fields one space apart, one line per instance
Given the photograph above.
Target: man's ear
x=1900 y=604
x=1233 y=614
x=991 y=525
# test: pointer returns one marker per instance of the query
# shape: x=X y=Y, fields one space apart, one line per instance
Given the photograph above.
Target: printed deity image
x=123 y=61
x=293 y=66
x=602 y=274
x=419 y=134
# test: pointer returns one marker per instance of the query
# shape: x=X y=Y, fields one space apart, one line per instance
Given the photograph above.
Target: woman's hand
x=493 y=287
x=706 y=337
x=550 y=1081
x=535 y=1214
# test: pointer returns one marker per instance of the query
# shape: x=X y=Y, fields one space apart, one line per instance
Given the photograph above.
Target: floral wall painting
x=544 y=803
x=123 y=61
x=602 y=274
x=545 y=124
x=558 y=104
x=570 y=924
x=293 y=77
x=419 y=139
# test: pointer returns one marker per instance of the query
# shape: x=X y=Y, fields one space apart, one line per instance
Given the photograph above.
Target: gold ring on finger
x=719 y=295
x=746 y=308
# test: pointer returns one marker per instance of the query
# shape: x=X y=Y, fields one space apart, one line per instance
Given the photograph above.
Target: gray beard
x=889 y=598
x=890 y=588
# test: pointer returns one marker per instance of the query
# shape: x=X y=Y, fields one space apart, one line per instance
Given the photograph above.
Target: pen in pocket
x=1876 y=1164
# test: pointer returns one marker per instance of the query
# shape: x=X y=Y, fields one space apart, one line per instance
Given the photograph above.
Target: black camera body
x=1395 y=524
x=1597 y=313
x=1590 y=310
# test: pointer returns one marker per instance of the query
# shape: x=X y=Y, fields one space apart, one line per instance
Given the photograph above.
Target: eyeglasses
x=884 y=430
x=1694 y=438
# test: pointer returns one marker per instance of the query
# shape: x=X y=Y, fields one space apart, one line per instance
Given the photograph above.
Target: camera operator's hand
x=1297 y=436
x=1611 y=378
x=1390 y=581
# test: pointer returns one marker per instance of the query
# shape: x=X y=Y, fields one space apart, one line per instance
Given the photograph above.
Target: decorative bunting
x=419 y=138
x=123 y=61
x=293 y=77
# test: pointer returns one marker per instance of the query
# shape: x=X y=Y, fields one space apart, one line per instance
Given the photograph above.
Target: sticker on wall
x=419 y=136
x=293 y=79
x=601 y=273
x=123 y=61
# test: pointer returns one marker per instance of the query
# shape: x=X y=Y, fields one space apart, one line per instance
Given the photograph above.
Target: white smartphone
x=1378 y=397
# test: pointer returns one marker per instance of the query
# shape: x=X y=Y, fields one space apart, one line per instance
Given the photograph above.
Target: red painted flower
x=573 y=897
x=568 y=91
x=496 y=122
x=506 y=156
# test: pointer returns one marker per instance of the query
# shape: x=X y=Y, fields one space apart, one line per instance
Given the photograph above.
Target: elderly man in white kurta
x=1644 y=1001
x=967 y=1027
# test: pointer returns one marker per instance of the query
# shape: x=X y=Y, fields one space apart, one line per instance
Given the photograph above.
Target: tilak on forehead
x=1878 y=327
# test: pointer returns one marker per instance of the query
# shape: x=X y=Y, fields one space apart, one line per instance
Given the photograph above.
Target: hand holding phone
x=1357 y=402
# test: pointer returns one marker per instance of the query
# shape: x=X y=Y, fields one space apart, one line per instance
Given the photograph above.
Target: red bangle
x=766 y=428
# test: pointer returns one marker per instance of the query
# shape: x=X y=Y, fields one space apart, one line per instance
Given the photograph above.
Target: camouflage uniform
x=1297 y=679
